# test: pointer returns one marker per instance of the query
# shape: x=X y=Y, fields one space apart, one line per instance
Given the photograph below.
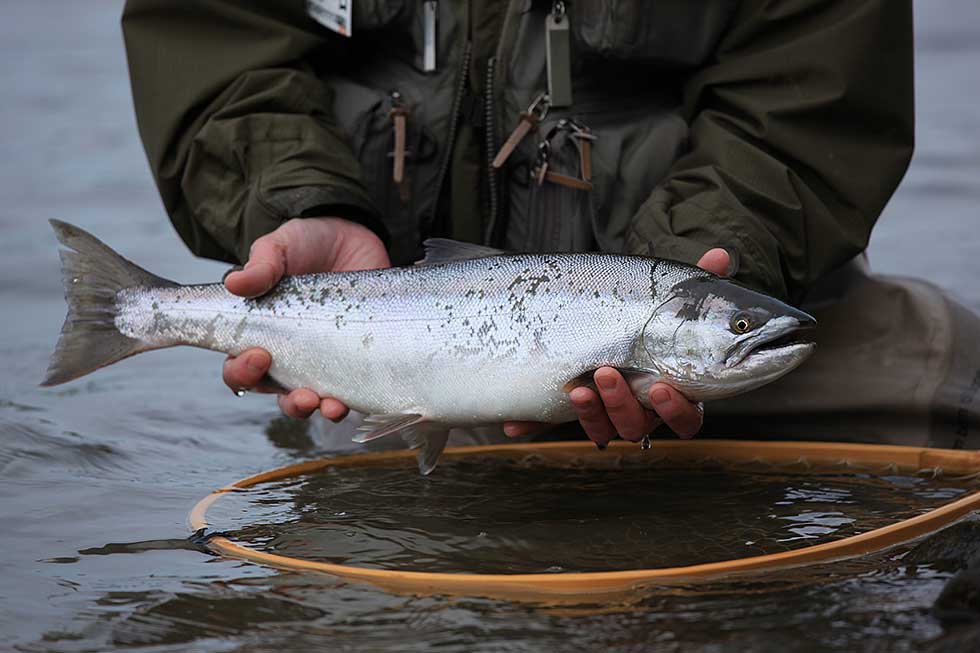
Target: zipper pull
x=399 y=117
x=529 y=119
x=545 y=173
x=430 y=14
x=585 y=137
x=567 y=181
x=540 y=171
x=558 y=49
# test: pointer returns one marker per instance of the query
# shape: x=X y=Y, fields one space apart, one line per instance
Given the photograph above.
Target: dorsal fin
x=444 y=250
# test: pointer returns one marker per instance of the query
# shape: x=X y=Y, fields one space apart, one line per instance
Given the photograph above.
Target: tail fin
x=93 y=274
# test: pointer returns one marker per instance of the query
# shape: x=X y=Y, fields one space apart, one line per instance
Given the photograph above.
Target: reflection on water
x=488 y=516
x=96 y=477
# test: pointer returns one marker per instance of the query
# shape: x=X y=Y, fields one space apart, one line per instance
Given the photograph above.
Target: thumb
x=716 y=261
x=265 y=267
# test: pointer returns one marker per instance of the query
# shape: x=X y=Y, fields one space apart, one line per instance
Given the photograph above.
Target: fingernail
x=237 y=268
x=601 y=446
x=606 y=382
x=733 y=261
x=252 y=364
x=511 y=431
x=660 y=397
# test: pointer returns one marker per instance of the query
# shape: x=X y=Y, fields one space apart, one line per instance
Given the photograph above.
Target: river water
x=474 y=516
x=98 y=476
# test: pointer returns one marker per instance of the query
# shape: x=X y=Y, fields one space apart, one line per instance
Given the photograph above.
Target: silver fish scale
x=467 y=342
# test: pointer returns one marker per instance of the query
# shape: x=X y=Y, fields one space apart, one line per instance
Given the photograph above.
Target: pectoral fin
x=640 y=382
x=583 y=380
x=378 y=426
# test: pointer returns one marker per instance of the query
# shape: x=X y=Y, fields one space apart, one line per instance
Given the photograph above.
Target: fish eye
x=741 y=323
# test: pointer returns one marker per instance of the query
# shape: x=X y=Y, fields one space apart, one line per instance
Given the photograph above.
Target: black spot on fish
x=653 y=275
x=691 y=310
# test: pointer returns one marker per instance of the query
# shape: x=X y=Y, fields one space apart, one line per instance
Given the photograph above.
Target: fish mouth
x=782 y=342
x=783 y=338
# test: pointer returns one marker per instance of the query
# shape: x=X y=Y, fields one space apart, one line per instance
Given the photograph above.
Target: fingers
x=593 y=417
x=307 y=245
x=266 y=265
x=245 y=372
x=682 y=416
x=333 y=410
x=299 y=404
x=625 y=413
x=716 y=261
x=613 y=410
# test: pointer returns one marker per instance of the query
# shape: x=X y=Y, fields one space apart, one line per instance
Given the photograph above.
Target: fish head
x=712 y=338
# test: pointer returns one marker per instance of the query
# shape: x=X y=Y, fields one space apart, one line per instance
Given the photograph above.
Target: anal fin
x=428 y=437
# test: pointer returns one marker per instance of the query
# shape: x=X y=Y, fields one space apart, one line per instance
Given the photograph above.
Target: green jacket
x=777 y=129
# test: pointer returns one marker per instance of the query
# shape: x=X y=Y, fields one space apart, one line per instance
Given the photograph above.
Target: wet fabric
x=897 y=362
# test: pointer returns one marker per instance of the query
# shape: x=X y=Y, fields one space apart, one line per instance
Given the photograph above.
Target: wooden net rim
x=813 y=456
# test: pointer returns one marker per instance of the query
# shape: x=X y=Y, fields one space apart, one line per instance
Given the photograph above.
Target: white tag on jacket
x=332 y=14
x=430 y=14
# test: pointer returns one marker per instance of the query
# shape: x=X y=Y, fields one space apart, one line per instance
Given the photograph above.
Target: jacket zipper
x=490 y=135
x=493 y=235
x=453 y=128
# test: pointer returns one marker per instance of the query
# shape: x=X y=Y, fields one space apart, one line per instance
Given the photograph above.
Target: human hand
x=299 y=246
x=613 y=410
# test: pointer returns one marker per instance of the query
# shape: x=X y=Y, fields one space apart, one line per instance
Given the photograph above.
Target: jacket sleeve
x=237 y=127
x=801 y=128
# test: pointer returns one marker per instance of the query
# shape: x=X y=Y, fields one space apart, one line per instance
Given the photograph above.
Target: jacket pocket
x=372 y=130
x=376 y=14
x=560 y=184
x=679 y=33
x=633 y=148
